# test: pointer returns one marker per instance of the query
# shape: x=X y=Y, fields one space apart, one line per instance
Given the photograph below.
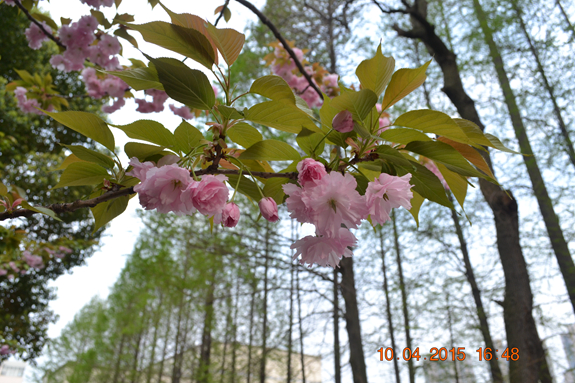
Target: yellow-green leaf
x=244 y=134
x=187 y=137
x=402 y=83
x=270 y=150
x=139 y=78
x=376 y=72
x=273 y=189
x=431 y=121
x=87 y=124
x=403 y=136
x=358 y=103
x=416 y=203
x=107 y=211
x=274 y=88
x=81 y=174
x=141 y=151
x=278 y=115
x=456 y=182
x=91 y=156
x=40 y=209
x=150 y=131
x=229 y=42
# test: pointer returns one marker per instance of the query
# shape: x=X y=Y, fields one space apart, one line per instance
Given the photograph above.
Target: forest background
x=442 y=309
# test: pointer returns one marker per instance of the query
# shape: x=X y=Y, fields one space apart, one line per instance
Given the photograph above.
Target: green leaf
x=3 y=189
x=273 y=188
x=229 y=42
x=227 y=14
x=107 y=211
x=139 y=78
x=230 y=113
x=278 y=115
x=194 y=22
x=81 y=174
x=446 y=155
x=247 y=187
x=244 y=134
x=141 y=151
x=67 y=161
x=403 y=136
x=187 y=137
x=456 y=182
x=416 y=203
x=191 y=87
x=308 y=141
x=376 y=72
x=270 y=150
x=185 y=41
x=431 y=121
x=477 y=136
x=358 y=103
x=91 y=156
x=274 y=88
x=497 y=144
x=41 y=17
x=150 y=131
x=392 y=156
x=40 y=209
x=123 y=33
x=425 y=183
x=402 y=83
x=87 y=124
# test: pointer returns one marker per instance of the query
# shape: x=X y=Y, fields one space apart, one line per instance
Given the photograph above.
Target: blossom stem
x=237 y=186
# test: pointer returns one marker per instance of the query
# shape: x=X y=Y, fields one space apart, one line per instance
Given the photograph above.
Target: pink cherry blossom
x=387 y=192
x=3 y=272
x=269 y=209
x=66 y=250
x=159 y=97
x=343 y=121
x=33 y=261
x=230 y=215
x=183 y=112
x=162 y=189
x=109 y=45
x=13 y=266
x=310 y=170
x=139 y=169
x=168 y=159
x=88 y=22
x=209 y=195
x=119 y=103
x=35 y=36
x=295 y=205
x=334 y=201
x=323 y=250
x=5 y=350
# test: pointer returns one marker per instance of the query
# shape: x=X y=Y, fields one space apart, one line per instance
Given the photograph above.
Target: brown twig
x=48 y=34
x=222 y=12
x=286 y=46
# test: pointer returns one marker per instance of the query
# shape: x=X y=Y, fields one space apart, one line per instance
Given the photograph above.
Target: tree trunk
x=356 y=357
x=388 y=308
x=164 y=349
x=404 y=305
x=566 y=17
x=451 y=339
x=496 y=374
x=120 y=351
x=551 y=220
x=300 y=324
x=517 y=307
x=235 y=331
x=290 y=326
x=158 y=317
x=251 y=331
x=336 y=351
x=206 y=347
x=265 y=308
x=568 y=143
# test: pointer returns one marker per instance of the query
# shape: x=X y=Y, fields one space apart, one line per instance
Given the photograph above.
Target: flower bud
x=310 y=170
x=231 y=215
x=343 y=121
x=269 y=209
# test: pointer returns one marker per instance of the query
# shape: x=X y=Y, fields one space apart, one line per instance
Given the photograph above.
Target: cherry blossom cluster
x=5 y=349
x=284 y=66
x=33 y=261
x=28 y=105
x=333 y=205
x=167 y=187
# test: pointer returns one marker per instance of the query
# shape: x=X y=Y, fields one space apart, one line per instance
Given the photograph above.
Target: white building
x=12 y=371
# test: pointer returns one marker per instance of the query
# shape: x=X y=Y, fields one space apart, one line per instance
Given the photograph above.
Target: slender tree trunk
x=566 y=17
x=136 y=355
x=251 y=331
x=206 y=347
x=165 y=348
x=119 y=359
x=235 y=331
x=551 y=220
x=300 y=324
x=562 y=127
x=158 y=317
x=403 y=290
x=496 y=374
x=336 y=351
x=518 y=304
x=388 y=308
x=265 y=309
x=227 y=336
x=290 y=326
x=356 y=356
x=449 y=323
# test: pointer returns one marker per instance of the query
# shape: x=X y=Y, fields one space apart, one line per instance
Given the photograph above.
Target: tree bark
x=496 y=374
x=560 y=122
x=251 y=325
x=300 y=324
x=206 y=347
x=265 y=308
x=518 y=304
x=290 y=328
x=551 y=220
x=404 y=305
x=388 y=308
x=356 y=356
x=566 y=17
x=336 y=351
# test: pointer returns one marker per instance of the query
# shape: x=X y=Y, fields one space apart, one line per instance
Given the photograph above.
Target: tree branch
x=32 y=19
x=286 y=46
x=222 y=12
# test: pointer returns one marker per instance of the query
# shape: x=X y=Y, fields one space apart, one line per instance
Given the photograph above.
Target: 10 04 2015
x=442 y=354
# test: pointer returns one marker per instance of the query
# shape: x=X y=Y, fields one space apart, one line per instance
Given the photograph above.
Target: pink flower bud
x=343 y=121
x=231 y=215
x=310 y=170
x=4 y=350
x=269 y=209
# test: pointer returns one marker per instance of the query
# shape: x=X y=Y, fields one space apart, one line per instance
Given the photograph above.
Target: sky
x=97 y=276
